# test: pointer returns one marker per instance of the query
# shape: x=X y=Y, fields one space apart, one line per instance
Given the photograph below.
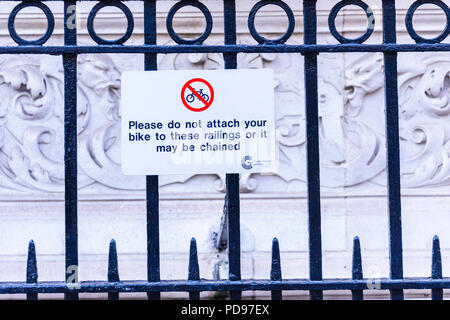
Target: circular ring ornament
x=50 y=23
x=93 y=14
x=203 y=9
x=410 y=16
x=251 y=22
x=370 y=21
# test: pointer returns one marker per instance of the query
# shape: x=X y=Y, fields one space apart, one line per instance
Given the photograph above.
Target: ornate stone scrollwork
x=424 y=91
x=351 y=120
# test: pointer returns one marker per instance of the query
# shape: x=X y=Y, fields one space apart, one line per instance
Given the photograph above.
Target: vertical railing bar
x=32 y=272
x=113 y=269
x=152 y=182
x=232 y=180
x=436 y=269
x=234 y=245
x=193 y=270
x=357 y=270
x=393 y=147
x=312 y=148
x=70 y=146
x=275 y=270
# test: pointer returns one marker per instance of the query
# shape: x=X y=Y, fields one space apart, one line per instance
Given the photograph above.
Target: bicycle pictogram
x=197 y=95
x=191 y=97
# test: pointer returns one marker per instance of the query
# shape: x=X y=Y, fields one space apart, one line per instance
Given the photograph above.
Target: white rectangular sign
x=198 y=122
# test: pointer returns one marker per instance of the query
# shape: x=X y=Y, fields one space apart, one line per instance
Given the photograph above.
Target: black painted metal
x=232 y=180
x=32 y=273
x=370 y=21
x=436 y=269
x=202 y=8
x=275 y=271
x=312 y=148
x=50 y=23
x=221 y=285
x=230 y=49
x=357 y=270
x=194 y=270
x=252 y=17
x=152 y=182
x=263 y=48
x=70 y=150
x=410 y=27
x=393 y=148
x=126 y=12
x=113 y=269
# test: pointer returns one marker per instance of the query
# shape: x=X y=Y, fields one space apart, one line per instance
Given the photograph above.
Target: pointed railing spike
x=113 y=269
x=436 y=268
x=32 y=273
x=357 y=271
x=194 y=270
x=275 y=271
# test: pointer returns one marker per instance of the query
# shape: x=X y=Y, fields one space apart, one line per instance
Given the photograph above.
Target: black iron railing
x=153 y=285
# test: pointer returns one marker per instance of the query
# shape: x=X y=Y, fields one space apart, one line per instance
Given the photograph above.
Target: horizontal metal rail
x=207 y=285
x=56 y=50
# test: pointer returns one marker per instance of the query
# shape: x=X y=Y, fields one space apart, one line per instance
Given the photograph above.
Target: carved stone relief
x=351 y=111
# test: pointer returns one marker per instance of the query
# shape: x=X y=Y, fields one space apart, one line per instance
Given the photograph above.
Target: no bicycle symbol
x=197 y=95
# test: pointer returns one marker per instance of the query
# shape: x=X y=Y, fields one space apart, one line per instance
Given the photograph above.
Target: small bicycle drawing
x=191 y=97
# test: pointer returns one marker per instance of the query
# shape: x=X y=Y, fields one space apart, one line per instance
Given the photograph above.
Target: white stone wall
x=113 y=206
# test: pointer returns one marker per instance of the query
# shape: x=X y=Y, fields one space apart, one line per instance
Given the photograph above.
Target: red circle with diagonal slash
x=188 y=86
